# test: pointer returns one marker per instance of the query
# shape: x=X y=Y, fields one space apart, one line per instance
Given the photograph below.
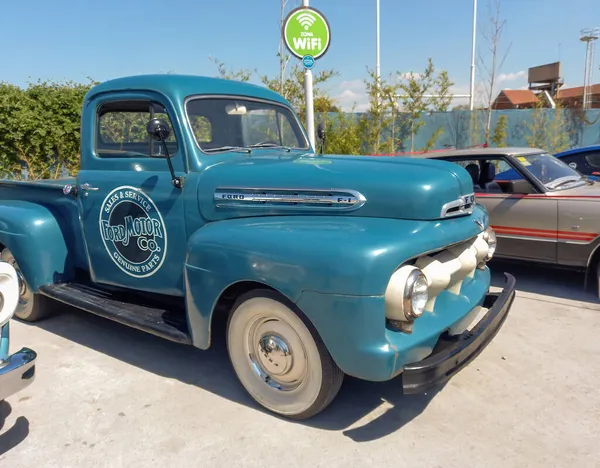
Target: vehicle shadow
x=545 y=280
x=382 y=405
x=12 y=437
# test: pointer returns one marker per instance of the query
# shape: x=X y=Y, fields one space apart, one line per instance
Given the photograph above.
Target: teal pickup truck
x=198 y=197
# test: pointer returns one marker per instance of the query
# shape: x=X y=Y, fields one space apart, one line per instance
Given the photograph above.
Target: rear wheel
x=279 y=357
x=32 y=307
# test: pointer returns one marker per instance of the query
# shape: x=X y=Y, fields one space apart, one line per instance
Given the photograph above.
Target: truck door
x=132 y=216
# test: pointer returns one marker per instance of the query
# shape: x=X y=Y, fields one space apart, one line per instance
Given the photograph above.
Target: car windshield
x=238 y=124
x=550 y=171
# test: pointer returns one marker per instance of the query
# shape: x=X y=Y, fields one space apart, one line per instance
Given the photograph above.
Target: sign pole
x=307 y=36
x=308 y=98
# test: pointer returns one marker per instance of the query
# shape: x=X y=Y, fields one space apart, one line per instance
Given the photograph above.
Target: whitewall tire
x=9 y=292
x=279 y=357
x=31 y=307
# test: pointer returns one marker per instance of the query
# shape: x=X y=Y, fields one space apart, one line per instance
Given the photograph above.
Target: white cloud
x=409 y=75
x=352 y=93
x=502 y=77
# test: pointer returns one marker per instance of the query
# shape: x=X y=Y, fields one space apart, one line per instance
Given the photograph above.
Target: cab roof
x=182 y=86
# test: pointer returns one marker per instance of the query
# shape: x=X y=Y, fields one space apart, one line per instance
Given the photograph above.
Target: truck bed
x=46 y=183
x=48 y=193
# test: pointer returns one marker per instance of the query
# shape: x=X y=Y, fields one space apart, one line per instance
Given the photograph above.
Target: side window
x=572 y=161
x=593 y=159
x=121 y=130
x=472 y=166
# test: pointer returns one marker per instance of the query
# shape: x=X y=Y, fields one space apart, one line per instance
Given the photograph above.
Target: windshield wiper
x=558 y=182
x=243 y=149
x=270 y=145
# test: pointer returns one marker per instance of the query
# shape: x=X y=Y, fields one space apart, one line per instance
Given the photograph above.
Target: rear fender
x=33 y=235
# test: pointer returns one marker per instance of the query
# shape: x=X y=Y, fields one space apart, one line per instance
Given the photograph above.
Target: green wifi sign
x=306 y=32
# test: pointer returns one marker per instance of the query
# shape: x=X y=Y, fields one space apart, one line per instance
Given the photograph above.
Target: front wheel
x=32 y=307
x=598 y=279
x=279 y=357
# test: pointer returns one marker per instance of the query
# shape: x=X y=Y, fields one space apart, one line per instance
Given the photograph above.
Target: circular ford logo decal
x=133 y=232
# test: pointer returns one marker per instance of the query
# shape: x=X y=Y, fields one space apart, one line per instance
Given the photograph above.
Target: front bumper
x=17 y=372
x=453 y=353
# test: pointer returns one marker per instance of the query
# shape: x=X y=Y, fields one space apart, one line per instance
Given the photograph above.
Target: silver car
x=541 y=209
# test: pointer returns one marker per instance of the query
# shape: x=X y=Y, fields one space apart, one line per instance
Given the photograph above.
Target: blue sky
x=74 y=39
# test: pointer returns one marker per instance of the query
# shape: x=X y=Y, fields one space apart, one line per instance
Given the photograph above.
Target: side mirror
x=158 y=129
x=320 y=132
x=321 y=136
x=519 y=186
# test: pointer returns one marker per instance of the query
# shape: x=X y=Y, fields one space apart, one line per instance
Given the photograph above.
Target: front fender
x=33 y=235
x=348 y=256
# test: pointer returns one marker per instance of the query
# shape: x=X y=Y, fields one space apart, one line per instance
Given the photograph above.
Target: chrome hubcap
x=23 y=290
x=276 y=353
x=22 y=284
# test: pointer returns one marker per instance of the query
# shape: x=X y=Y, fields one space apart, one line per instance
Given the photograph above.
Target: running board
x=157 y=321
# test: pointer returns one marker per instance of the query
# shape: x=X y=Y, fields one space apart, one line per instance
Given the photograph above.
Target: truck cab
x=200 y=197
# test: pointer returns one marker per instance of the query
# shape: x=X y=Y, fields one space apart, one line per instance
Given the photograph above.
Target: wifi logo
x=306 y=20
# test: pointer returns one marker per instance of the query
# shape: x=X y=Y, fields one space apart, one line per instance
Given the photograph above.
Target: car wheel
x=598 y=279
x=279 y=357
x=32 y=307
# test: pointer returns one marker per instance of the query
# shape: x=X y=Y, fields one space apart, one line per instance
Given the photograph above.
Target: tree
x=499 y=137
x=415 y=87
x=381 y=113
x=549 y=129
x=292 y=86
x=344 y=133
x=229 y=74
x=41 y=129
x=492 y=36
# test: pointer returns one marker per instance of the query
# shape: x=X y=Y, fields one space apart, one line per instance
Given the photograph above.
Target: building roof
x=181 y=86
x=516 y=97
x=577 y=91
x=511 y=151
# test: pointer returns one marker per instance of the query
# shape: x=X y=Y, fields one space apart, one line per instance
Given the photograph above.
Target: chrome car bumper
x=17 y=372
x=455 y=352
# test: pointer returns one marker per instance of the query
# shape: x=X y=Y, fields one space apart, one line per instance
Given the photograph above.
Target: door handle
x=87 y=186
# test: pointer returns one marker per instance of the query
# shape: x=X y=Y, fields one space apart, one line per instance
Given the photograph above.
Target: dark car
x=585 y=159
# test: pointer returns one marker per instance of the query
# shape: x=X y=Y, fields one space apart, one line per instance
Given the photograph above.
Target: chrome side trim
x=244 y=197
x=462 y=206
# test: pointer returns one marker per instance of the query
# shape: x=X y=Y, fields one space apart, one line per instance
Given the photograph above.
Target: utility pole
x=377 y=63
x=308 y=96
x=472 y=84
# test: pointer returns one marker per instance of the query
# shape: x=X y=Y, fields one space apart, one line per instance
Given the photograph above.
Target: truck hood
x=272 y=183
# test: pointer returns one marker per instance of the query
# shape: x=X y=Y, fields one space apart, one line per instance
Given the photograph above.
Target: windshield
x=550 y=171
x=226 y=124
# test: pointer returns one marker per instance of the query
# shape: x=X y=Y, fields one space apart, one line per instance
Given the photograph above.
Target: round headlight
x=416 y=294
x=490 y=237
x=406 y=295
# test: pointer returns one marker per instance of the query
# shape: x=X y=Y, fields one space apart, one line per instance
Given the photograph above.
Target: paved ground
x=106 y=395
